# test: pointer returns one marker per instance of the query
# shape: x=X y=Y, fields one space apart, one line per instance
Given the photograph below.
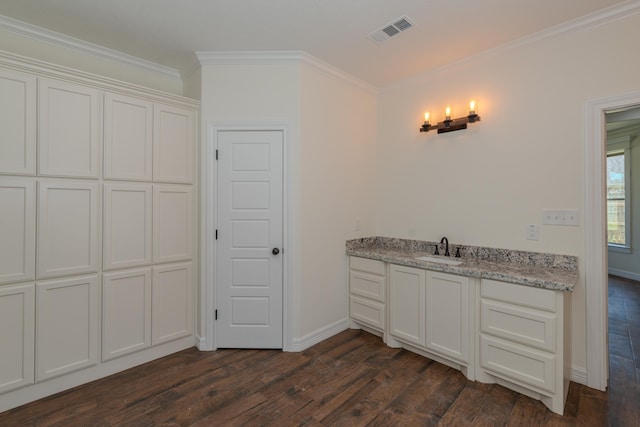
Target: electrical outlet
x=532 y=232
x=560 y=217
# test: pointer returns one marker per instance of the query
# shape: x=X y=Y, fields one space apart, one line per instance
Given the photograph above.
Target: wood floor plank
x=350 y=379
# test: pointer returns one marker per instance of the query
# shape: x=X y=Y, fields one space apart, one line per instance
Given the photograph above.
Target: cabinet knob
x=275 y=251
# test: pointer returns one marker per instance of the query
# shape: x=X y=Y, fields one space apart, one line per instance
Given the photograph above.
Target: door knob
x=275 y=251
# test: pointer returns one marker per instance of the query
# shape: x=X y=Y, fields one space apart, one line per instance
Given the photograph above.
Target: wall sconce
x=449 y=124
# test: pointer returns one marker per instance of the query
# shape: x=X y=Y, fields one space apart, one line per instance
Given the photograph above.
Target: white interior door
x=249 y=237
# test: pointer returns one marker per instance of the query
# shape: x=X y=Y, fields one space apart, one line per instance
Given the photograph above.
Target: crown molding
x=57 y=39
x=280 y=57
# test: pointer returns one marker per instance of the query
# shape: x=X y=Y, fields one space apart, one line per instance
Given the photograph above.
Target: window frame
x=622 y=145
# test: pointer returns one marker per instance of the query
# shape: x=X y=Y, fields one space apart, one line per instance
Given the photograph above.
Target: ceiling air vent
x=385 y=33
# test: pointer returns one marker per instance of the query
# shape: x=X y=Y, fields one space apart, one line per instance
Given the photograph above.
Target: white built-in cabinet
x=127 y=233
x=367 y=294
x=97 y=228
x=66 y=325
x=128 y=138
x=17 y=334
x=431 y=310
x=126 y=312
x=17 y=123
x=68 y=212
x=18 y=226
x=172 y=295
x=68 y=129
x=173 y=144
x=493 y=331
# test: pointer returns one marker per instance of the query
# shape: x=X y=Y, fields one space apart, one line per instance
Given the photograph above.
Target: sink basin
x=439 y=260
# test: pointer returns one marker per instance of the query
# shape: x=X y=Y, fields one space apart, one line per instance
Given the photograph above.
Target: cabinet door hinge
x=216 y=154
x=216 y=314
x=216 y=234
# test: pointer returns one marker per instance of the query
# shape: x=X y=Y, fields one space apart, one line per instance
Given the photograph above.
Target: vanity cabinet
x=432 y=311
x=447 y=312
x=522 y=340
x=367 y=293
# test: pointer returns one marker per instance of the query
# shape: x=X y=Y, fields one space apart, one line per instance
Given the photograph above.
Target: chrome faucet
x=446 y=248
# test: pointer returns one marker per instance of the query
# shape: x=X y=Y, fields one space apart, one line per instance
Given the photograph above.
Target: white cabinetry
x=67 y=227
x=431 y=312
x=172 y=305
x=17 y=229
x=17 y=332
x=66 y=325
x=172 y=223
x=91 y=285
x=367 y=293
x=173 y=144
x=447 y=314
x=127 y=225
x=522 y=340
x=126 y=312
x=128 y=133
x=17 y=123
x=68 y=130
x=407 y=304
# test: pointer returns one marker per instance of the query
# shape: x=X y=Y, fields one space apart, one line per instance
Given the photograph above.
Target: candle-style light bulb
x=447 y=113
x=426 y=118
x=472 y=108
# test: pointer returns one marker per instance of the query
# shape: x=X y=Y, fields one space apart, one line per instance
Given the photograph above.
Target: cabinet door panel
x=66 y=326
x=128 y=138
x=518 y=324
x=17 y=229
x=407 y=303
x=17 y=331
x=172 y=223
x=367 y=285
x=173 y=144
x=68 y=130
x=518 y=363
x=67 y=228
x=17 y=123
x=172 y=306
x=368 y=312
x=448 y=315
x=127 y=225
x=126 y=312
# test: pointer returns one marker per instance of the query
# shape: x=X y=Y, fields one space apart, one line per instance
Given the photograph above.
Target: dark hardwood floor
x=351 y=379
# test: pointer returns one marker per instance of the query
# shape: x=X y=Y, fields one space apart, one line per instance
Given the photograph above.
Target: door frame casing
x=595 y=236
x=206 y=340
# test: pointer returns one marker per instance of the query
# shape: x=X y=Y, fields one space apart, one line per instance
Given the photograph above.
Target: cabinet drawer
x=514 y=323
x=367 y=285
x=368 y=312
x=528 y=296
x=368 y=265
x=518 y=363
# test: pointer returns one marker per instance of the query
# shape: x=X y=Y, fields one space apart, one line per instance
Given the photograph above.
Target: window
x=618 y=195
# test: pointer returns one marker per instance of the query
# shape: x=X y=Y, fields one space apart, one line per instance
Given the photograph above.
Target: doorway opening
x=596 y=248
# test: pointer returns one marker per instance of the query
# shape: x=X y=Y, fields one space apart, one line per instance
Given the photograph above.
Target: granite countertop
x=543 y=270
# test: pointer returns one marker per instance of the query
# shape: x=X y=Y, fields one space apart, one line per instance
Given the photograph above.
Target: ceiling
x=168 y=32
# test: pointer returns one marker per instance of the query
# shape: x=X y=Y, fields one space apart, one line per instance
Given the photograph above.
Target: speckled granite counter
x=550 y=271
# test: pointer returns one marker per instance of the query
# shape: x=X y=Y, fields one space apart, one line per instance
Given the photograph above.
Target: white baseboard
x=203 y=345
x=579 y=375
x=626 y=274
x=300 y=344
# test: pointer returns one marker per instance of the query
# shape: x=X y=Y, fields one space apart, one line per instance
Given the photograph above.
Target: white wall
x=337 y=173
x=482 y=186
x=332 y=152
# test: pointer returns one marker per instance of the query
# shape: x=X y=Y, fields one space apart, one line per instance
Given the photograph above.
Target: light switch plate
x=532 y=232
x=560 y=217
